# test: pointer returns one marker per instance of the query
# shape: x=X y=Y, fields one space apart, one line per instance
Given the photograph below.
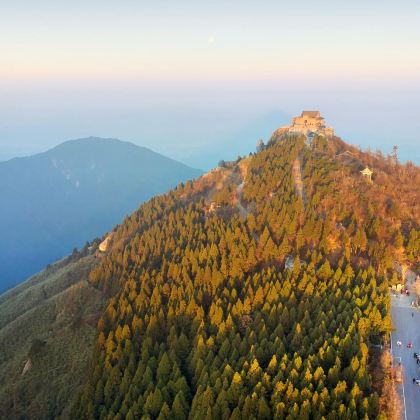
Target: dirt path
x=297 y=178
x=244 y=212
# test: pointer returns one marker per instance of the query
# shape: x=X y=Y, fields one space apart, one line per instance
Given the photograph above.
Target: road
x=406 y=321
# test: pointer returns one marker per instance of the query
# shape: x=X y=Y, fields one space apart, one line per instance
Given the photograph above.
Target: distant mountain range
x=53 y=202
x=238 y=142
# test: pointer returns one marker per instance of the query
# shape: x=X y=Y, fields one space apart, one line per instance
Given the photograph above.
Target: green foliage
x=205 y=321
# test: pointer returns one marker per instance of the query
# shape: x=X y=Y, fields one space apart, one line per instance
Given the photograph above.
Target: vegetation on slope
x=47 y=328
x=206 y=322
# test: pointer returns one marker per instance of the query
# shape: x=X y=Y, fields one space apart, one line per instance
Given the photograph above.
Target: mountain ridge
x=229 y=297
x=74 y=192
x=206 y=307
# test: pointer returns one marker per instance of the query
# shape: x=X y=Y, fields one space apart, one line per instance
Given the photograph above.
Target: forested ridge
x=204 y=320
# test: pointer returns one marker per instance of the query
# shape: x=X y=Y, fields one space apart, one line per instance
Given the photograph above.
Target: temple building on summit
x=308 y=123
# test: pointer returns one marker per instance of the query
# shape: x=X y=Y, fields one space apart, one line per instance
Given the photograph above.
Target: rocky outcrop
x=27 y=367
x=103 y=246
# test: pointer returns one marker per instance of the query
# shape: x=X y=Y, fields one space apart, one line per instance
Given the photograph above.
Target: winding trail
x=297 y=178
x=242 y=210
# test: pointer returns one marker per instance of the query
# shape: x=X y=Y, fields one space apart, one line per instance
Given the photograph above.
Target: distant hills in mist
x=55 y=201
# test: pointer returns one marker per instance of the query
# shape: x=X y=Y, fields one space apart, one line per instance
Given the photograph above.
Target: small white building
x=367 y=173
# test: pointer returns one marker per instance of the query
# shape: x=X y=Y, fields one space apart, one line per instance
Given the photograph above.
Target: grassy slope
x=51 y=320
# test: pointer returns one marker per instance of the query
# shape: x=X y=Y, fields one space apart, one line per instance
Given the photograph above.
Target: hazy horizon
x=203 y=82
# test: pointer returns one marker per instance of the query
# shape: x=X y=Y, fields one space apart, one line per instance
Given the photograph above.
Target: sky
x=201 y=81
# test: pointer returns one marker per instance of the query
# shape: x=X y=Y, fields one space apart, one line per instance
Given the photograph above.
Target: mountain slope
x=47 y=328
x=55 y=201
x=255 y=291
x=236 y=298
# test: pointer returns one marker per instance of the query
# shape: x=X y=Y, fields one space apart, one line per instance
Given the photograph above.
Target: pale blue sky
x=185 y=77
